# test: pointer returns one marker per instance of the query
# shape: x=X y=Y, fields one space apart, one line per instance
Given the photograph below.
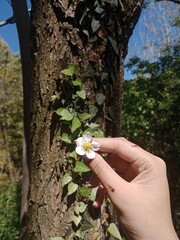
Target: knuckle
x=161 y=163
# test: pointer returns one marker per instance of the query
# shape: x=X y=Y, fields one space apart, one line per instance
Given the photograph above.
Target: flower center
x=86 y=146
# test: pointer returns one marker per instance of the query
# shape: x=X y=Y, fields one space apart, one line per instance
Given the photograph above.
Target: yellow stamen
x=86 y=146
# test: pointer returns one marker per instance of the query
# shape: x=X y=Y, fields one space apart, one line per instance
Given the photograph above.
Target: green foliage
x=113 y=230
x=9 y=211
x=151 y=103
x=11 y=135
x=11 y=111
x=94 y=16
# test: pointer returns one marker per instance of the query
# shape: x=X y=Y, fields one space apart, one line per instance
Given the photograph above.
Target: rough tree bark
x=59 y=39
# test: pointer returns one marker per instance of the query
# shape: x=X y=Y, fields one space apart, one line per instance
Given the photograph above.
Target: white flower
x=86 y=146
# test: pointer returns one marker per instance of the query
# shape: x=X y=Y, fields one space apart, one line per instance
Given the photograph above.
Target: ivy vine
x=75 y=119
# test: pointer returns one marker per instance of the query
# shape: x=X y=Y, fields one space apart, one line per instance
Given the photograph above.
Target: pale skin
x=136 y=182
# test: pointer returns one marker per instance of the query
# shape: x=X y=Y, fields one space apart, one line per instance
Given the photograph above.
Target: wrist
x=162 y=234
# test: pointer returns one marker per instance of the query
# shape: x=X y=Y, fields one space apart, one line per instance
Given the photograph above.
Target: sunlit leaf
x=113 y=230
x=75 y=124
x=84 y=191
x=81 y=94
x=77 y=82
x=93 y=125
x=76 y=220
x=53 y=98
x=80 y=208
x=72 y=187
x=64 y=114
x=65 y=137
x=84 y=116
x=81 y=167
x=67 y=178
x=92 y=196
x=73 y=154
x=69 y=71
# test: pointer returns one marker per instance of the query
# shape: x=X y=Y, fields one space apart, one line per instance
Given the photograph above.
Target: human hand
x=137 y=187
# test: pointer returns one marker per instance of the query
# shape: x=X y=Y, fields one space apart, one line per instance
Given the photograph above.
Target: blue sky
x=152 y=21
x=9 y=31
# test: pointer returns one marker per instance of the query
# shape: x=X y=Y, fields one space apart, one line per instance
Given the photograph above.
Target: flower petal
x=90 y=154
x=80 y=151
x=87 y=137
x=95 y=146
x=79 y=142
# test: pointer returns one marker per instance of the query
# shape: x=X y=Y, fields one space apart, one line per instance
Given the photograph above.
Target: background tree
x=11 y=132
x=154 y=30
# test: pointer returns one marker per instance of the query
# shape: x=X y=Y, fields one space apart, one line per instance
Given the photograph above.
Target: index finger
x=123 y=148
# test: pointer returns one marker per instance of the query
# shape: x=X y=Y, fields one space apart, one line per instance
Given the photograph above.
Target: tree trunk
x=63 y=35
x=22 y=19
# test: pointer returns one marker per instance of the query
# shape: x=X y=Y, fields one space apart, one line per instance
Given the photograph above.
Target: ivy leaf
x=81 y=94
x=85 y=191
x=114 y=46
x=66 y=138
x=93 y=110
x=72 y=187
x=94 y=125
x=76 y=220
x=113 y=230
x=73 y=154
x=111 y=2
x=86 y=32
x=81 y=167
x=80 y=208
x=75 y=123
x=67 y=178
x=95 y=24
x=84 y=116
x=100 y=98
x=69 y=71
x=64 y=114
x=89 y=72
x=98 y=133
x=86 y=225
x=53 y=98
x=92 y=196
x=77 y=82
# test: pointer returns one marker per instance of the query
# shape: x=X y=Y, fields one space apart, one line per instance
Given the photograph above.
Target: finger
x=115 y=162
x=119 y=146
x=101 y=193
x=94 y=181
x=126 y=150
x=122 y=167
x=111 y=181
